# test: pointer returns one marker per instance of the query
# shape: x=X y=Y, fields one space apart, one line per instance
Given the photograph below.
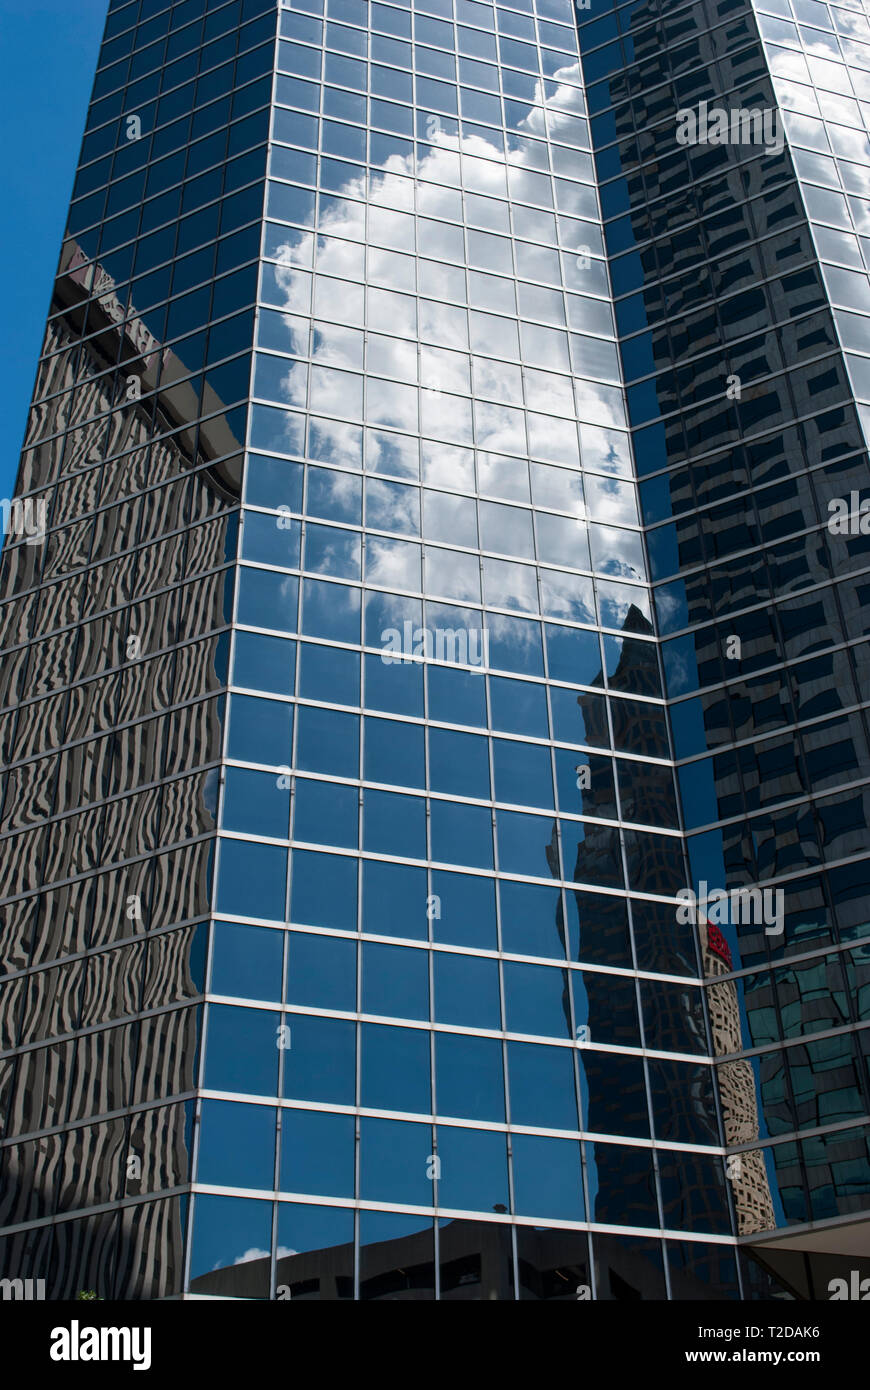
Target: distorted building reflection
x=110 y=790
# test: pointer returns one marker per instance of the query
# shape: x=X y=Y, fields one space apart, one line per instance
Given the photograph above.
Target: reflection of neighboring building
x=747 y=1172
x=110 y=682
x=651 y=802
x=476 y=1264
x=653 y=793
x=598 y=859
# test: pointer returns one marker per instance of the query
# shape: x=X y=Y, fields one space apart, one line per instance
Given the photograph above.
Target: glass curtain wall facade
x=436 y=341
x=117 y=590
x=746 y=431
x=382 y=528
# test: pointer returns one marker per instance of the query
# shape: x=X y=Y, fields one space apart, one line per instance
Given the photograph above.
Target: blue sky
x=48 y=52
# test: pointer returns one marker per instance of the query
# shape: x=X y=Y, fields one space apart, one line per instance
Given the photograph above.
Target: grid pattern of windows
x=447 y=759
x=760 y=602
x=116 y=596
x=819 y=56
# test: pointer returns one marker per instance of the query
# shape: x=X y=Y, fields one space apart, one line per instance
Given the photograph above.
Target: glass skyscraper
x=434 y=625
